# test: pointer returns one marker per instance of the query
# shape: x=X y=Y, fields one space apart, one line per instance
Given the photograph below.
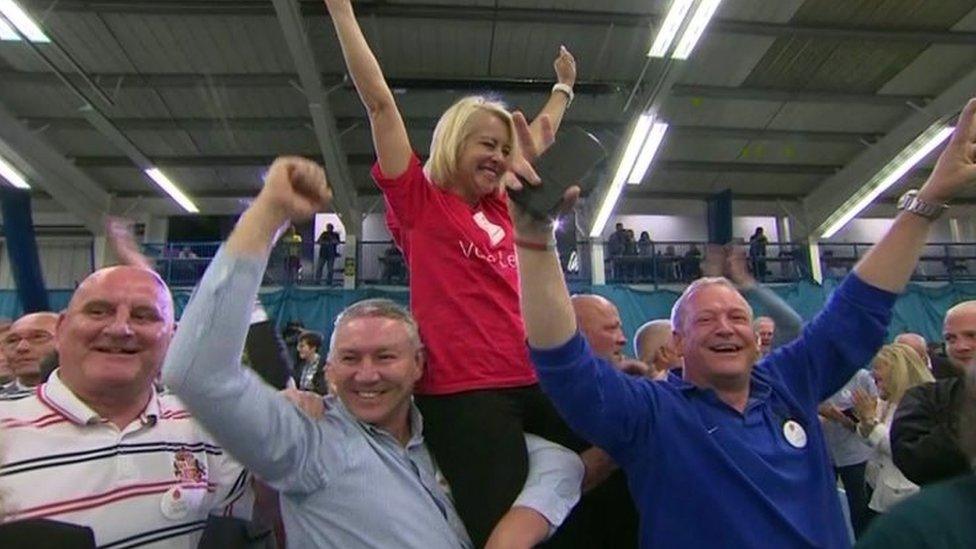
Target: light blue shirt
x=343 y=482
x=847 y=447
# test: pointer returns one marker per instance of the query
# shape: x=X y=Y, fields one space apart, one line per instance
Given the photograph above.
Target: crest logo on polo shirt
x=188 y=468
x=495 y=233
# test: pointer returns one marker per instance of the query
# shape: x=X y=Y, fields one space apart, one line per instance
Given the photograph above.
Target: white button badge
x=795 y=434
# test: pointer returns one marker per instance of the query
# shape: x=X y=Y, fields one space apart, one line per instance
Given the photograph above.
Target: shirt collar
x=57 y=396
x=415 y=418
x=759 y=389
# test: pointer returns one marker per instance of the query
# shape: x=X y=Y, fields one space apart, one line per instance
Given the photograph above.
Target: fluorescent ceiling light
x=651 y=145
x=16 y=15
x=901 y=164
x=695 y=28
x=14 y=177
x=669 y=28
x=172 y=190
x=637 y=138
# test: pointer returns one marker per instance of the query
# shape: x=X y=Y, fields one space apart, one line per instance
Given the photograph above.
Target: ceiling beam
x=360 y=159
x=345 y=122
x=323 y=119
x=785 y=96
x=520 y=15
x=853 y=180
x=54 y=174
x=288 y=80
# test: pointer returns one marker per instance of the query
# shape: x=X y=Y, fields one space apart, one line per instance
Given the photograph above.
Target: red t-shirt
x=464 y=285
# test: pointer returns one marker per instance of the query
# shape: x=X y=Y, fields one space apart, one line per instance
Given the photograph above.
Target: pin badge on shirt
x=495 y=233
x=175 y=505
x=795 y=434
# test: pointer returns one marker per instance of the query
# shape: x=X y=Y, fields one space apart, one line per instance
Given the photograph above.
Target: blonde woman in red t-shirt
x=450 y=218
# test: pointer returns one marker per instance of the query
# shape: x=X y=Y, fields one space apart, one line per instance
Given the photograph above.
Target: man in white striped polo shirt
x=97 y=446
x=29 y=339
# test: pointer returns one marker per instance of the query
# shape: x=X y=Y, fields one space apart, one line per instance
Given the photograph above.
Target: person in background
x=28 y=341
x=896 y=368
x=654 y=346
x=940 y=366
x=6 y=375
x=310 y=365
x=848 y=450
x=925 y=431
x=757 y=253
x=292 y=243
x=328 y=243
x=941 y=515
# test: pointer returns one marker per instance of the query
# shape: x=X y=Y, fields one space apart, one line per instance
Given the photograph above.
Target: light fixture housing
x=23 y=22
x=172 y=190
x=887 y=176
x=669 y=28
x=696 y=27
x=651 y=144
x=12 y=175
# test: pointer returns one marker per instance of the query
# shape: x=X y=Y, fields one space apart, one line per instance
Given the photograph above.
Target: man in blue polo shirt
x=731 y=455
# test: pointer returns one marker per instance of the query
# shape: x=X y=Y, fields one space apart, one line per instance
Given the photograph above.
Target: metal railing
x=655 y=263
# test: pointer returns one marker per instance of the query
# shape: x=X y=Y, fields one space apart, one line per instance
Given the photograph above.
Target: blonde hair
x=906 y=369
x=454 y=127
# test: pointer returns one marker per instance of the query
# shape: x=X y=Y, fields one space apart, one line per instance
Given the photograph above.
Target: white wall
x=65 y=261
x=665 y=228
x=870 y=229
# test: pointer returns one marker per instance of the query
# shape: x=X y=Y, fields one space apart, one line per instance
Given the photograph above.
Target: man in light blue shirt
x=361 y=476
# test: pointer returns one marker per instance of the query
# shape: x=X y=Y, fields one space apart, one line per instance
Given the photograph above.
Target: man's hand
x=736 y=267
x=118 y=232
x=634 y=367
x=565 y=65
x=311 y=404
x=956 y=168
x=294 y=190
x=865 y=406
x=714 y=263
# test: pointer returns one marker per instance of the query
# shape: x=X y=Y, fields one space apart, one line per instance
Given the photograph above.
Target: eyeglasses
x=35 y=338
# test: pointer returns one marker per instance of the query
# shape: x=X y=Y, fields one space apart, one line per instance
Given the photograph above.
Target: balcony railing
x=655 y=263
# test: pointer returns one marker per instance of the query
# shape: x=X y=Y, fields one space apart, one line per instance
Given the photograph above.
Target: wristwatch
x=910 y=202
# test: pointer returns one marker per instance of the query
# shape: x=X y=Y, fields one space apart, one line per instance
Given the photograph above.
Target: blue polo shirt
x=701 y=473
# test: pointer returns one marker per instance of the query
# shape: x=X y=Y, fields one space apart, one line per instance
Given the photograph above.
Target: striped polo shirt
x=15 y=391
x=152 y=484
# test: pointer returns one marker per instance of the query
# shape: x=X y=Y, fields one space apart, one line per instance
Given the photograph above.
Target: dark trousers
x=857 y=495
x=328 y=262
x=478 y=441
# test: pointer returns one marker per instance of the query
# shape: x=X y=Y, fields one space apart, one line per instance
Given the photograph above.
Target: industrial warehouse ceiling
x=779 y=99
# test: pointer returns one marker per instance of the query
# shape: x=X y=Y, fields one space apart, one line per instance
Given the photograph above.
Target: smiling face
x=115 y=332
x=373 y=365
x=881 y=371
x=715 y=337
x=484 y=157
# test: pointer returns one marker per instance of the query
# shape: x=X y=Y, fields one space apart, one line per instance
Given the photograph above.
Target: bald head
x=28 y=340
x=916 y=342
x=959 y=333
x=599 y=321
x=650 y=337
x=123 y=276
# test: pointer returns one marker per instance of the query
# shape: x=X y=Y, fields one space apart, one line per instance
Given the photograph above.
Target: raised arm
x=250 y=419
x=559 y=99
x=890 y=263
x=390 y=137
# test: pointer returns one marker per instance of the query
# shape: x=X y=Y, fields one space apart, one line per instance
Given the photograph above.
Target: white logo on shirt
x=499 y=257
x=495 y=233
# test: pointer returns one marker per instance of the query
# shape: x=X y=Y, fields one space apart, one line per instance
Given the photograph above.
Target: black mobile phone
x=562 y=165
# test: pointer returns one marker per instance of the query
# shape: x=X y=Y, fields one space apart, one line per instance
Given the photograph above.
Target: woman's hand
x=565 y=65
